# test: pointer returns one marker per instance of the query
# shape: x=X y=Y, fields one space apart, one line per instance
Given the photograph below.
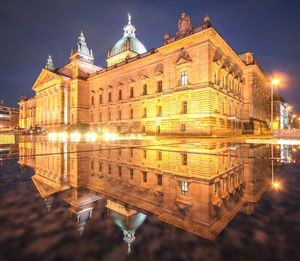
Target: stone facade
x=194 y=84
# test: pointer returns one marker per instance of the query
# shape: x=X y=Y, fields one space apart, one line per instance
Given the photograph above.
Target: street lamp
x=274 y=83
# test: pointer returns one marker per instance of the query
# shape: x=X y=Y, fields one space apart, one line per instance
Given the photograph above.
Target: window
x=184 y=78
x=109 y=169
x=159 y=86
x=158 y=129
x=109 y=96
x=92 y=101
x=159 y=111
x=145 y=89
x=215 y=77
x=145 y=154
x=100 y=99
x=182 y=127
x=184 y=188
x=120 y=171
x=100 y=116
x=92 y=165
x=131 y=173
x=109 y=115
x=143 y=129
x=145 y=178
x=144 y=112
x=184 y=107
x=131 y=152
x=184 y=159
x=131 y=113
x=159 y=155
x=100 y=166
x=159 y=179
x=120 y=94
x=120 y=152
x=131 y=92
x=120 y=114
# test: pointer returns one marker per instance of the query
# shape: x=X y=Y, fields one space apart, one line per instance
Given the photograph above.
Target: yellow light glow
x=52 y=136
x=276 y=185
x=109 y=136
x=91 y=136
x=275 y=81
x=63 y=136
x=75 y=136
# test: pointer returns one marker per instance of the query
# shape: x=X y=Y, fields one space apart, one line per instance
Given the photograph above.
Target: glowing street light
x=275 y=82
x=276 y=185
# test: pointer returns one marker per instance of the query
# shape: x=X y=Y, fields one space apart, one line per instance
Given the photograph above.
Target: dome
x=128 y=43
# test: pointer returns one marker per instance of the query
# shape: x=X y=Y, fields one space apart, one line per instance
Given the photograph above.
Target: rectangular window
x=100 y=116
x=100 y=166
x=120 y=171
x=100 y=99
x=159 y=155
x=131 y=152
x=120 y=115
x=159 y=180
x=184 y=78
x=109 y=115
x=184 y=107
x=109 y=96
x=182 y=127
x=92 y=101
x=144 y=112
x=131 y=92
x=145 y=178
x=143 y=129
x=159 y=111
x=131 y=113
x=131 y=173
x=120 y=94
x=145 y=154
x=159 y=86
x=184 y=188
x=184 y=159
x=109 y=169
x=92 y=165
x=145 y=91
x=120 y=152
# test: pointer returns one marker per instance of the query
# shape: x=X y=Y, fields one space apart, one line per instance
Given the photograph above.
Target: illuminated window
x=184 y=78
x=159 y=86
x=145 y=178
x=131 y=92
x=184 y=107
x=109 y=96
x=145 y=91
x=184 y=188
x=159 y=180
x=184 y=159
x=159 y=111
x=131 y=173
x=120 y=94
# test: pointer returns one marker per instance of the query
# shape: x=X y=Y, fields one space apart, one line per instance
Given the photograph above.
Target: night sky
x=30 y=30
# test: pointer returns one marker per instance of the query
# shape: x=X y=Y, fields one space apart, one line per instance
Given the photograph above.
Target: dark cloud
x=31 y=29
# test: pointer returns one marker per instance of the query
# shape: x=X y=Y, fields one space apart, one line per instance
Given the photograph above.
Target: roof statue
x=49 y=65
x=129 y=29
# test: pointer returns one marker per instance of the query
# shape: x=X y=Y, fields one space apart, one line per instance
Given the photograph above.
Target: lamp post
x=274 y=83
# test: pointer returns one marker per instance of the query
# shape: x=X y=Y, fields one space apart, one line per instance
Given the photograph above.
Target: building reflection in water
x=197 y=187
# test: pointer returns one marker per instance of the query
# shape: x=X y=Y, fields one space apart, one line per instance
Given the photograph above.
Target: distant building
x=9 y=117
x=27 y=112
x=193 y=84
x=281 y=117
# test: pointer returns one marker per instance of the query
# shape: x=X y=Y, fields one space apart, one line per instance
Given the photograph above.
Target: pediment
x=158 y=73
x=183 y=57
x=44 y=189
x=143 y=77
x=130 y=81
x=44 y=77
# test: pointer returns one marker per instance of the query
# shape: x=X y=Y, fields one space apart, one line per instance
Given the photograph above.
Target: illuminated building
x=9 y=117
x=281 y=117
x=200 y=194
x=194 y=84
x=27 y=112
